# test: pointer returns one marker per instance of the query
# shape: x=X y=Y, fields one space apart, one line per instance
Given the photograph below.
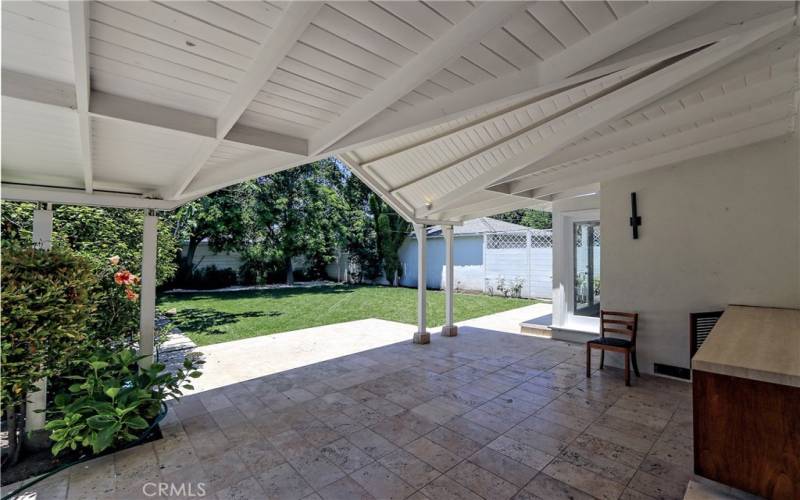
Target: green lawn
x=210 y=318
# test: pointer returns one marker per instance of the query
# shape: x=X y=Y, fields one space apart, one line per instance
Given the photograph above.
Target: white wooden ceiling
x=447 y=109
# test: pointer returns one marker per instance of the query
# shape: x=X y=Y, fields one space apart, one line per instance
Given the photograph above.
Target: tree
x=537 y=219
x=296 y=212
x=217 y=217
x=390 y=232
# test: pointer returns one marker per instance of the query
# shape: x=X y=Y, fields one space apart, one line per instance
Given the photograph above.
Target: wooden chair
x=621 y=323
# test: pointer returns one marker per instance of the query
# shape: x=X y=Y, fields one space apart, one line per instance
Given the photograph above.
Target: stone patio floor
x=488 y=414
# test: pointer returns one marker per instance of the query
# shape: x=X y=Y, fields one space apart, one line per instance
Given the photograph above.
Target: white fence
x=520 y=262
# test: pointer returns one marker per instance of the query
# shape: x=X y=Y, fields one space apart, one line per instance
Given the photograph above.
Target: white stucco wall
x=718 y=230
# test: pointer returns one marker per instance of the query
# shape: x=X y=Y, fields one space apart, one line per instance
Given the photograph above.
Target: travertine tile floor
x=486 y=414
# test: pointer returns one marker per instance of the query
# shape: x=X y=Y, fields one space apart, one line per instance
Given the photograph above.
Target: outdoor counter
x=746 y=402
x=756 y=343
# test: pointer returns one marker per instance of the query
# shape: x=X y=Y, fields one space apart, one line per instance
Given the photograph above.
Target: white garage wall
x=467 y=262
x=718 y=230
x=204 y=257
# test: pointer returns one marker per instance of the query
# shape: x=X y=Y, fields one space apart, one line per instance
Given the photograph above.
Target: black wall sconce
x=635 y=220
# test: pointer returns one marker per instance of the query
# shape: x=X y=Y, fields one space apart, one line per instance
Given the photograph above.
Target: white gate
x=519 y=263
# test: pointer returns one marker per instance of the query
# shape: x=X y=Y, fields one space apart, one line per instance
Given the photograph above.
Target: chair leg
x=627 y=368
x=602 y=358
x=588 y=361
x=635 y=364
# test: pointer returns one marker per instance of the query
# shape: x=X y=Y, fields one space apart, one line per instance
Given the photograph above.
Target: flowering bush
x=116 y=298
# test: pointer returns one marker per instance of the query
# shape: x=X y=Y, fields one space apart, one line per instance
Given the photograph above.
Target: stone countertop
x=756 y=343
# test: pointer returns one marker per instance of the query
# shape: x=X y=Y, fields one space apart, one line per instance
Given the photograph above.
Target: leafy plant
x=113 y=400
x=46 y=312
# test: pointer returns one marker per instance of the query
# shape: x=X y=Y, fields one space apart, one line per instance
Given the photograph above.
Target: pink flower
x=131 y=295
x=114 y=260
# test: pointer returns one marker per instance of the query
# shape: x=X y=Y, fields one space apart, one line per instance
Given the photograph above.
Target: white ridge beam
x=617 y=104
x=483 y=19
x=290 y=26
x=79 y=31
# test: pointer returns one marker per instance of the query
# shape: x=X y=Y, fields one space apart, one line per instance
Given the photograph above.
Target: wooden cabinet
x=746 y=402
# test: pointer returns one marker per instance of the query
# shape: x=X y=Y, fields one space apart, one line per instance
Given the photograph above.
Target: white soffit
x=425 y=101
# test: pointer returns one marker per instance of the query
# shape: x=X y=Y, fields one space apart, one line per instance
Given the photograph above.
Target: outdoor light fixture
x=635 y=220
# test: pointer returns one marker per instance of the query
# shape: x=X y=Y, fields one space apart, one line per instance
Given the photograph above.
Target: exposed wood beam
x=749 y=128
x=21 y=192
x=542 y=77
x=643 y=22
x=483 y=19
x=79 y=31
x=116 y=107
x=734 y=101
x=573 y=193
x=291 y=25
x=268 y=140
x=40 y=90
x=617 y=104
x=542 y=128
x=250 y=167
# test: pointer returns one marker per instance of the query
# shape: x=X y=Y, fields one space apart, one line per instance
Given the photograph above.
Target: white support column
x=449 y=329
x=147 y=297
x=42 y=238
x=422 y=336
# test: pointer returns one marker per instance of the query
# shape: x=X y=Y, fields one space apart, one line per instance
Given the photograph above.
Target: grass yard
x=211 y=318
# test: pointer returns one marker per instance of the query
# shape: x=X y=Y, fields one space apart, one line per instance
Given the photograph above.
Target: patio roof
x=449 y=110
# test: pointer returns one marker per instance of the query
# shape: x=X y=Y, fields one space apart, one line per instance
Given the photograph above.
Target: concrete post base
x=422 y=338
x=449 y=331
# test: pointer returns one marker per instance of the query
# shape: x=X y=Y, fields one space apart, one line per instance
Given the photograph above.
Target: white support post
x=147 y=297
x=449 y=329
x=42 y=238
x=422 y=336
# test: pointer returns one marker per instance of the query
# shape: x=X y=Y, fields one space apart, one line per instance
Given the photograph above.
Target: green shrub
x=46 y=311
x=112 y=400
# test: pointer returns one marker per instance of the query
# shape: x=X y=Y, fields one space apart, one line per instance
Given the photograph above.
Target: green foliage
x=98 y=233
x=217 y=217
x=295 y=212
x=112 y=400
x=537 y=219
x=391 y=230
x=46 y=313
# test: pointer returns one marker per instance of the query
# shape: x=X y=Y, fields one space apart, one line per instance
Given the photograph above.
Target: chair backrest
x=622 y=323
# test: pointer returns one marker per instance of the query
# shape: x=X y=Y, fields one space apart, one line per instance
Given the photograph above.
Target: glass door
x=586 y=272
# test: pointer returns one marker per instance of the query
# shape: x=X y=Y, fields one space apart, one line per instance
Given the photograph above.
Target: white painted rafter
x=293 y=22
x=550 y=74
x=730 y=102
x=760 y=124
x=79 y=31
x=616 y=104
x=472 y=29
x=61 y=196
